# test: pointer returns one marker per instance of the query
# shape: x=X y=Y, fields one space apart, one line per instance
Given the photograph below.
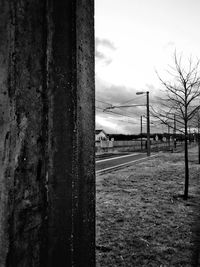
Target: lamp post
x=148 y=122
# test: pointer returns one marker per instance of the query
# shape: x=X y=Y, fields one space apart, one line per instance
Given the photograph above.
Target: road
x=109 y=164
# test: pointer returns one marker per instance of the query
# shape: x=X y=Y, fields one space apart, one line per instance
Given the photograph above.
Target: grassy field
x=142 y=219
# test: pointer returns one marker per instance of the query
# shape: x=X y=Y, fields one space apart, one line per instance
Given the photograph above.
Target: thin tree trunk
x=174 y=131
x=198 y=140
x=198 y=148
x=186 y=165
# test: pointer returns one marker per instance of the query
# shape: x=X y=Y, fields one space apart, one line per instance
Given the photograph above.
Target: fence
x=130 y=146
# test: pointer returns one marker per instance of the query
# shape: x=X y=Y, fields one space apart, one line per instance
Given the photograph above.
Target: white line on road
x=118 y=157
x=123 y=164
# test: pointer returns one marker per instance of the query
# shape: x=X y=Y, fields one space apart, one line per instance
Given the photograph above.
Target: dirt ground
x=142 y=219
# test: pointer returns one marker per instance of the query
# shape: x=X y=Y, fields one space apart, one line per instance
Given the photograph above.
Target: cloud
x=112 y=124
x=170 y=43
x=118 y=120
x=126 y=119
x=103 y=50
x=104 y=42
x=114 y=94
x=121 y=94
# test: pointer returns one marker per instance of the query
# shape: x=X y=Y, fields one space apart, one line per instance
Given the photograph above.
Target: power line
x=135 y=98
x=112 y=112
x=124 y=114
x=121 y=115
x=103 y=102
x=100 y=101
x=155 y=123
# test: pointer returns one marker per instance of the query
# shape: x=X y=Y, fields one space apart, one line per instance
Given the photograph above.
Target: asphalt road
x=118 y=162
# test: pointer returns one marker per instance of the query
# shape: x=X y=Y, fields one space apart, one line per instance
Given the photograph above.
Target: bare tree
x=180 y=101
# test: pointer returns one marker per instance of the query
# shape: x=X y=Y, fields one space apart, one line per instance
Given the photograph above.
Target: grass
x=142 y=220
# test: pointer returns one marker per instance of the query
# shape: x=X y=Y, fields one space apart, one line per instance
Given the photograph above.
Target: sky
x=133 y=40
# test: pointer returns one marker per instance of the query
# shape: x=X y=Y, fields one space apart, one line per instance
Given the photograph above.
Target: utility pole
x=148 y=126
x=148 y=122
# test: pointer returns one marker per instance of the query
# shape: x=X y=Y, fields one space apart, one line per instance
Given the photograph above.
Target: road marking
x=118 y=157
x=123 y=164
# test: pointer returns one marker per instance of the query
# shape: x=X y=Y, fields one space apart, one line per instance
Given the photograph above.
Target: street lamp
x=141 y=132
x=148 y=122
x=139 y=105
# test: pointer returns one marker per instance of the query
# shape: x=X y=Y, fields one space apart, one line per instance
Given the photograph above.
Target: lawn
x=142 y=219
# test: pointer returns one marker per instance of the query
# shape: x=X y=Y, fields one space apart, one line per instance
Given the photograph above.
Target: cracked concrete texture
x=22 y=75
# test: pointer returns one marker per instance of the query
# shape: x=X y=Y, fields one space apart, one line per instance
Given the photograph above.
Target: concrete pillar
x=71 y=177
x=47 y=187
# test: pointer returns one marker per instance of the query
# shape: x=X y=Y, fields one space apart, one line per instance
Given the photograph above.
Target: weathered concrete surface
x=23 y=132
x=71 y=81
x=4 y=126
x=47 y=188
x=83 y=215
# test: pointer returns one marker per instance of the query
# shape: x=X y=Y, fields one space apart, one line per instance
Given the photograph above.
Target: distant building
x=101 y=135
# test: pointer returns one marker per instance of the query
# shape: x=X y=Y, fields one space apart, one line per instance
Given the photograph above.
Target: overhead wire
x=116 y=113
x=131 y=99
x=119 y=114
x=128 y=114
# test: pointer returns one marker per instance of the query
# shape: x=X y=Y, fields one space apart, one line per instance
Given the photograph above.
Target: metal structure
x=148 y=122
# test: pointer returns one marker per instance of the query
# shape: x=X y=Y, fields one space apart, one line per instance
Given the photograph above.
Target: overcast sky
x=133 y=39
